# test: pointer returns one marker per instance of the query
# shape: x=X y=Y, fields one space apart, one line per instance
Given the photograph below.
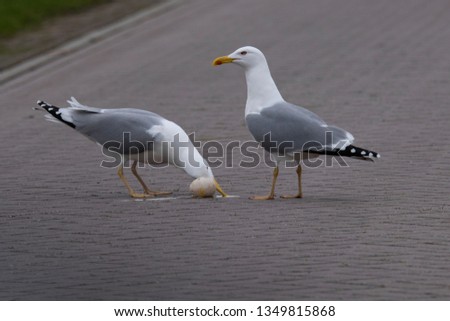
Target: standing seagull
x=287 y=131
x=140 y=136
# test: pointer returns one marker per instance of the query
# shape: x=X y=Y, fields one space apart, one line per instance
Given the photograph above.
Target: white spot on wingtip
x=370 y=155
x=378 y=155
x=353 y=150
x=363 y=153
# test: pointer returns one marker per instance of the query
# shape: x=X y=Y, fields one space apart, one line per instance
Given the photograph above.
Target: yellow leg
x=147 y=191
x=130 y=190
x=299 y=175
x=272 y=190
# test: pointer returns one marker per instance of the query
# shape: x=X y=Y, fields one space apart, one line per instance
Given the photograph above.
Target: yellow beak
x=222 y=60
x=219 y=189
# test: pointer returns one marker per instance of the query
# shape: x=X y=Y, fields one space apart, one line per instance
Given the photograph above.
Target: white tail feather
x=75 y=104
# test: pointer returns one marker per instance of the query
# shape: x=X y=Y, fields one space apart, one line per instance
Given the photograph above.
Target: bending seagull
x=139 y=136
x=287 y=131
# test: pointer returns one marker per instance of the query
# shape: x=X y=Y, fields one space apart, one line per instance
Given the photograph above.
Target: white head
x=246 y=57
x=181 y=153
x=204 y=184
x=261 y=89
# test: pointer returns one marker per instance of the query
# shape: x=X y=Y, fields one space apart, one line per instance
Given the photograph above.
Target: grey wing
x=288 y=128
x=125 y=130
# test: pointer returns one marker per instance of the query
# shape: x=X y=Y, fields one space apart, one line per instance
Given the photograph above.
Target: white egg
x=203 y=187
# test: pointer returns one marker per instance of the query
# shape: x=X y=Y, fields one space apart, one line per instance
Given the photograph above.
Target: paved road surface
x=380 y=69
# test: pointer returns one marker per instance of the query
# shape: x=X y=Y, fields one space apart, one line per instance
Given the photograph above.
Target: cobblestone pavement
x=380 y=69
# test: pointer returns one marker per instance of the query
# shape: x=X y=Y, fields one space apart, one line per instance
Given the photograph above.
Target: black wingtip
x=361 y=153
x=45 y=105
x=352 y=151
x=55 y=112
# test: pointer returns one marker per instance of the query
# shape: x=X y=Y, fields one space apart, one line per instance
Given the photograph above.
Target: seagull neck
x=180 y=150
x=261 y=89
x=193 y=163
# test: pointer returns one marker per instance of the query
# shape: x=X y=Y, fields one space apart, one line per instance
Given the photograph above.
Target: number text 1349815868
x=296 y=311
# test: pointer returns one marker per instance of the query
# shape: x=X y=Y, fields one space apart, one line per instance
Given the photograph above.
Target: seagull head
x=246 y=57
x=261 y=89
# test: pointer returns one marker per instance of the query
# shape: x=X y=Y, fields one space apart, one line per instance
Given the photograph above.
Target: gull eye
x=243 y=53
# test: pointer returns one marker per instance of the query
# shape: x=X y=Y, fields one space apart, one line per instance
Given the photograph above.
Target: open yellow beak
x=219 y=189
x=222 y=60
